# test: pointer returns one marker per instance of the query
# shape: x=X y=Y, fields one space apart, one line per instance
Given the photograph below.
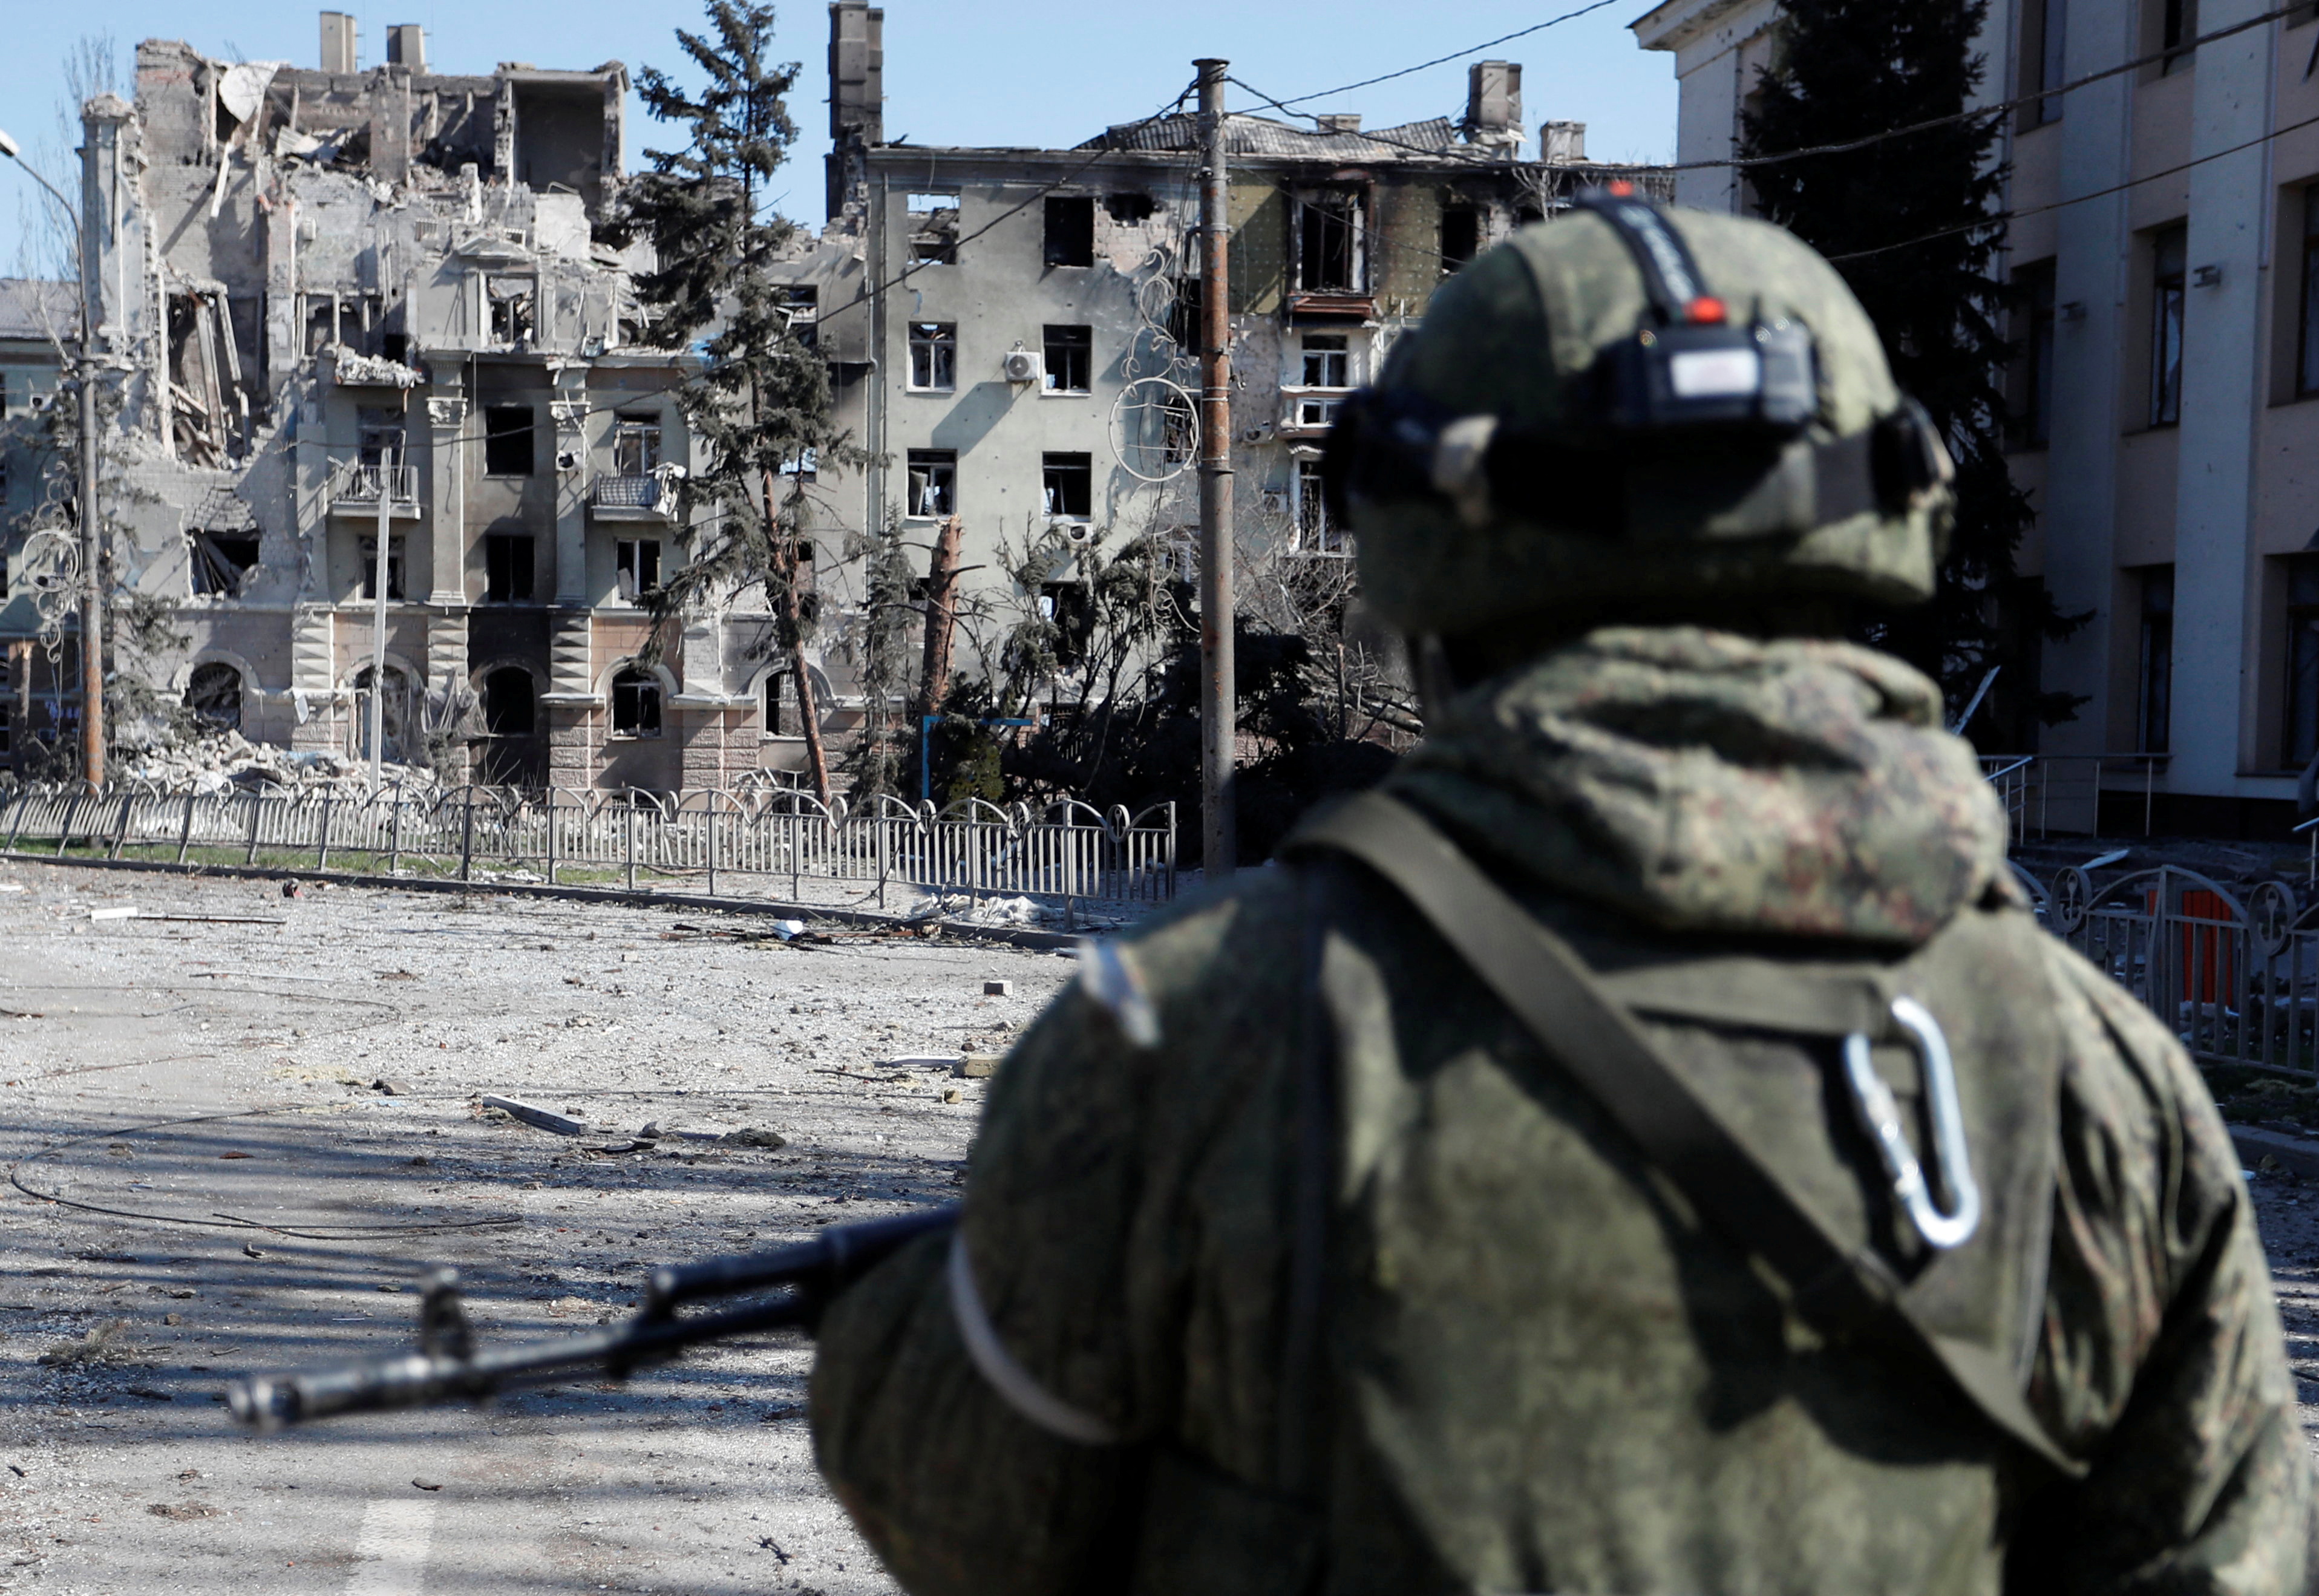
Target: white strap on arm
x=1009 y=1378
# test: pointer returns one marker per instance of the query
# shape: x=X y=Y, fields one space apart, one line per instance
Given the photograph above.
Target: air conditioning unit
x=1024 y=366
x=1077 y=533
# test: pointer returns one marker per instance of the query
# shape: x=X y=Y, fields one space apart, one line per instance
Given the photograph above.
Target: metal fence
x=728 y=841
x=2236 y=979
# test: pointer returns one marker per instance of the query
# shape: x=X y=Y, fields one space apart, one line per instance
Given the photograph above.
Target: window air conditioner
x=1022 y=365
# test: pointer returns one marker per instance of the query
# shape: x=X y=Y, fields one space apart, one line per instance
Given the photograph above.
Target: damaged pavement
x=243 y=1127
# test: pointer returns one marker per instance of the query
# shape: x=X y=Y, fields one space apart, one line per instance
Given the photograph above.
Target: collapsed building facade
x=323 y=288
x=327 y=292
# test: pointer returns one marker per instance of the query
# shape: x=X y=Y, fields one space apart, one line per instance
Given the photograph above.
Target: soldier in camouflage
x=1502 y=1340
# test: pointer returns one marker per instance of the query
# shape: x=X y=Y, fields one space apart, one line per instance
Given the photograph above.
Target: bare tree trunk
x=942 y=619
x=785 y=571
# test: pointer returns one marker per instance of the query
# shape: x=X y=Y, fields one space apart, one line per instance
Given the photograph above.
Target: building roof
x=1432 y=139
x=38 y=308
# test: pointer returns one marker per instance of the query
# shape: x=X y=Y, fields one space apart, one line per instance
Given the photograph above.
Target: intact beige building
x=2166 y=239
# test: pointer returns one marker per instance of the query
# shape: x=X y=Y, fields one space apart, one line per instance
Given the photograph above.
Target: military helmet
x=1633 y=403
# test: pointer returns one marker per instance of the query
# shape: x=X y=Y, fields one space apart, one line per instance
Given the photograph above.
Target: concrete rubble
x=223 y=761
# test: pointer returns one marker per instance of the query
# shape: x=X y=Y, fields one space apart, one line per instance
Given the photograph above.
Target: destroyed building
x=326 y=286
x=1011 y=331
x=322 y=289
x=38 y=331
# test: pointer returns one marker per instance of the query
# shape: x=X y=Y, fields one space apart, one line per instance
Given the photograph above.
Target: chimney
x=338 y=37
x=857 y=71
x=1493 y=103
x=1340 y=122
x=406 y=46
x=1562 y=143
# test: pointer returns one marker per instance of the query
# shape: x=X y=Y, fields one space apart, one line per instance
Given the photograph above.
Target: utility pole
x=92 y=552
x=386 y=467
x=1219 y=712
x=92 y=555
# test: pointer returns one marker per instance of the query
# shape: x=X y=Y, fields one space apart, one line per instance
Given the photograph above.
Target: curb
x=2297 y=1157
x=1020 y=936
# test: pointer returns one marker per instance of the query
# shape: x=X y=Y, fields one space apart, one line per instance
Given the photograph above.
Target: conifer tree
x=1846 y=69
x=760 y=403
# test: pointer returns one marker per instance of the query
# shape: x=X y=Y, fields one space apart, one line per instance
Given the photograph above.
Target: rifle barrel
x=813 y=1271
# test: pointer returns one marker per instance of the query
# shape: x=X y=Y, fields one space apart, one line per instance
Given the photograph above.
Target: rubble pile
x=225 y=761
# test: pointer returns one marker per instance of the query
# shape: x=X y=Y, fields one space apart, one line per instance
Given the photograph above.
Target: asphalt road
x=232 y=1193
x=237 y=1195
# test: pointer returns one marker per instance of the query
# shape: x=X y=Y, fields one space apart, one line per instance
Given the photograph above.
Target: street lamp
x=92 y=602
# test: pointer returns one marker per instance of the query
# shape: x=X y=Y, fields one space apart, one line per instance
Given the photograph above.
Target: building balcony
x=1309 y=412
x=631 y=498
x=1332 y=305
x=355 y=489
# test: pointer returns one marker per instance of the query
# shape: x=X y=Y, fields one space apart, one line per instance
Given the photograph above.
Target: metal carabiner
x=1880 y=1115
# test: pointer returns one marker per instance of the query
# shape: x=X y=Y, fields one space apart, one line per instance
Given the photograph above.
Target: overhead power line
x=2002 y=217
x=2000 y=108
x=1457 y=55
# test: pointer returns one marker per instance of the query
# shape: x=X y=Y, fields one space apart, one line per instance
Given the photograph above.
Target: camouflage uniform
x=1540 y=1368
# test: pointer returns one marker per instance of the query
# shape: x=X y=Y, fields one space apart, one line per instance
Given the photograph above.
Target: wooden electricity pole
x=1218 y=714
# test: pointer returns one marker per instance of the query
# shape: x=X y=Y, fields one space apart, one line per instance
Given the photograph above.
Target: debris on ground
x=999 y=989
x=545 y=1119
x=222 y=761
x=107 y=1343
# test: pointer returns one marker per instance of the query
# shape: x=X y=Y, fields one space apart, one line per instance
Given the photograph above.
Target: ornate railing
x=744 y=842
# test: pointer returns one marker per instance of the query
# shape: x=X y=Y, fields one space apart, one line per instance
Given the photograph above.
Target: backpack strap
x=1836 y=1286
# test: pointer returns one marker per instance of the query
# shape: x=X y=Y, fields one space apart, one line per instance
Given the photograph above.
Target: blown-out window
x=636 y=703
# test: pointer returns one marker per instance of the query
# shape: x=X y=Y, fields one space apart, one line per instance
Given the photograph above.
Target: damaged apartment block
x=325 y=286
x=1011 y=332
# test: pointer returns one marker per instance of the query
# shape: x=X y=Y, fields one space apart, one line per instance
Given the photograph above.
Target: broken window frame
x=1316 y=534
x=1461 y=236
x=505 y=426
x=382 y=437
x=931 y=484
x=637 y=568
x=1184 y=324
x=933 y=227
x=1330 y=235
x=801 y=303
x=1068 y=607
x=215 y=565
x=635 y=694
x=1067 y=357
x=511 y=309
x=396 y=587
x=769 y=703
x=1328 y=359
x=1069 y=237
x=494 y=705
x=933 y=357
x=511 y=567
x=208 y=690
x=1066 y=486
x=636 y=443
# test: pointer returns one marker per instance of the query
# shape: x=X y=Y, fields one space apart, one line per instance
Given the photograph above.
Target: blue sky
x=1015 y=72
